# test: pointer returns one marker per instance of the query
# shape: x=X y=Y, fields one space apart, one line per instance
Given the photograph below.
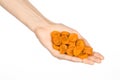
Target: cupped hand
x=44 y=36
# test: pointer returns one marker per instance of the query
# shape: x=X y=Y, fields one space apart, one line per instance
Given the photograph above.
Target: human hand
x=32 y=18
x=44 y=36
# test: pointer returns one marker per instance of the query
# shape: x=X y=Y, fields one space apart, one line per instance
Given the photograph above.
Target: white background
x=22 y=57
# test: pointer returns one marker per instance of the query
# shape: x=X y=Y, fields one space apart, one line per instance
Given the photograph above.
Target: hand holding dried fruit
x=69 y=44
x=63 y=43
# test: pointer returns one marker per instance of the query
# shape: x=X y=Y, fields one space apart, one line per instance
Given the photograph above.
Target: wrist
x=45 y=25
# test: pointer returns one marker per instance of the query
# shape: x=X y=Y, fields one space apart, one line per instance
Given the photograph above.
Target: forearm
x=26 y=13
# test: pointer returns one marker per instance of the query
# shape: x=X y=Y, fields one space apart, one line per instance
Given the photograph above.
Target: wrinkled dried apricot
x=71 y=44
x=69 y=51
x=80 y=42
x=77 y=50
x=55 y=34
x=56 y=40
x=73 y=37
x=64 y=39
x=88 y=50
x=63 y=49
x=56 y=47
x=65 y=33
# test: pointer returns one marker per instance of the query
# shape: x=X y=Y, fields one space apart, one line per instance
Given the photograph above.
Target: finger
x=98 y=55
x=66 y=57
x=87 y=61
x=94 y=59
x=70 y=58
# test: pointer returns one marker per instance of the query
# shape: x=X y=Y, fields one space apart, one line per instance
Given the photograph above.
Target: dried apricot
x=80 y=42
x=65 y=33
x=63 y=49
x=69 y=51
x=56 y=40
x=88 y=50
x=55 y=34
x=64 y=39
x=56 y=47
x=73 y=37
x=71 y=44
x=77 y=50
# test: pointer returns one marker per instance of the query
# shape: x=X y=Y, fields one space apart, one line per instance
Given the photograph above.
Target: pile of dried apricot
x=70 y=44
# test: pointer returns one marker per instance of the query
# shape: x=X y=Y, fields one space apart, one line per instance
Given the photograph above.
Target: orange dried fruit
x=56 y=40
x=65 y=33
x=77 y=50
x=56 y=47
x=69 y=52
x=71 y=44
x=55 y=34
x=73 y=37
x=88 y=50
x=64 y=39
x=80 y=42
x=63 y=49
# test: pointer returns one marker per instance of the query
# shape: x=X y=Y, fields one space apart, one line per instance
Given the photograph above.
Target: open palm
x=43 y=34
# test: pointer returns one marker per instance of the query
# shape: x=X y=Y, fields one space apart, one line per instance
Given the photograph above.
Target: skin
x=24 y=11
